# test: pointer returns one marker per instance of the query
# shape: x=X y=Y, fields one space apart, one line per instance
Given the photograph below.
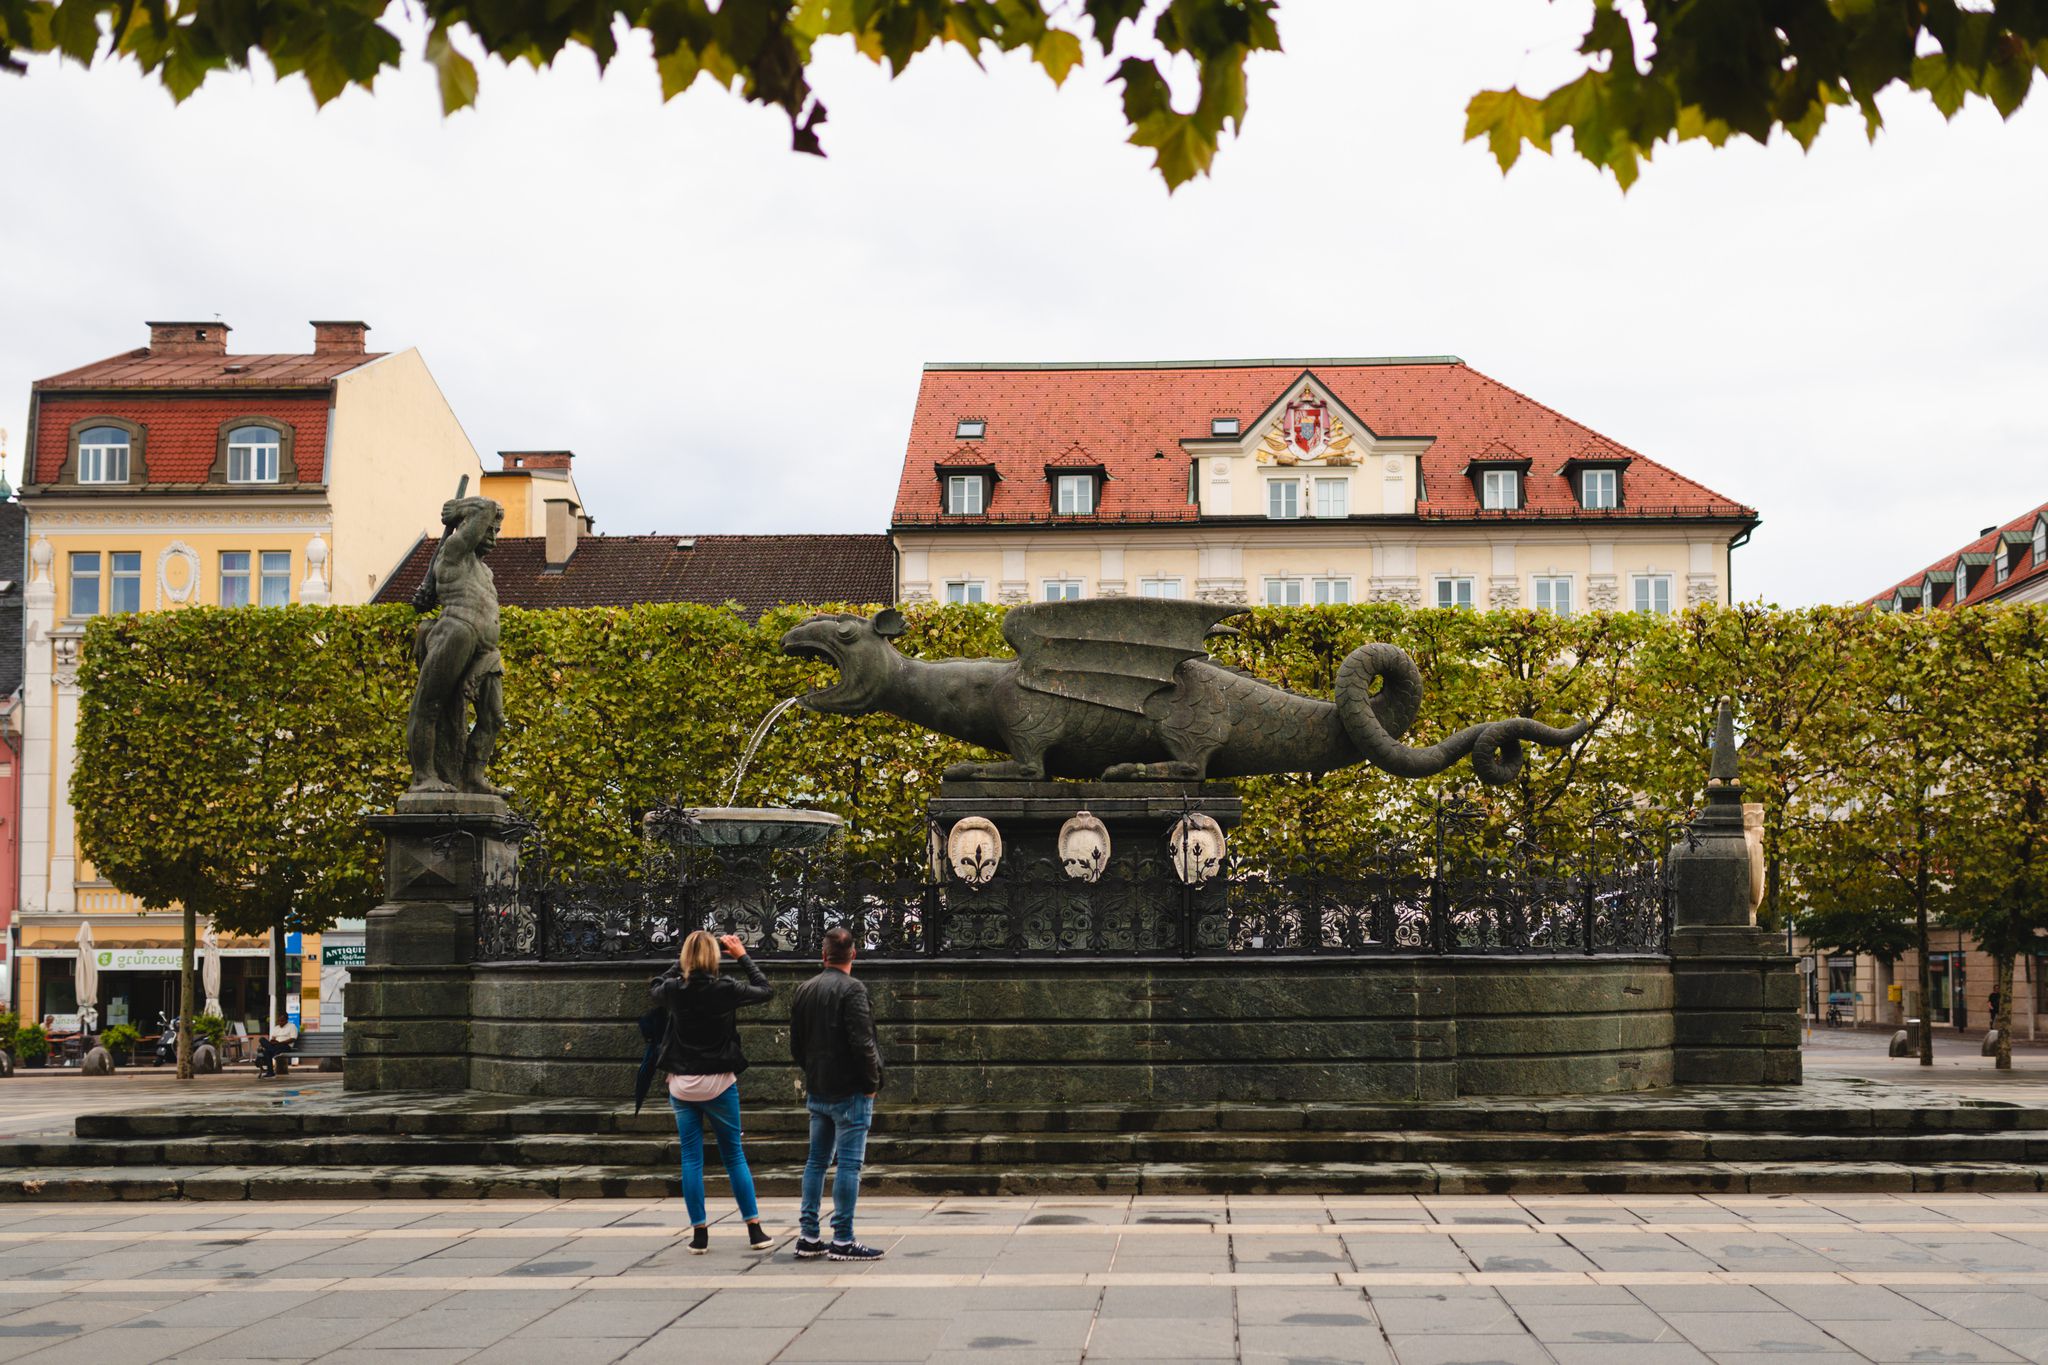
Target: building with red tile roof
x=752 y=572
x=1413 y=479
x=2006 y=563
x=183 y=473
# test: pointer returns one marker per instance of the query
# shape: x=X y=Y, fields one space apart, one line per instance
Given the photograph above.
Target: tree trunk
x=188 y=1008
x=2001 y=1018
x=1920 y=929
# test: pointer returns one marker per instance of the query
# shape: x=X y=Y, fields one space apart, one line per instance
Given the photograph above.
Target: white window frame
x=119 y=576
x=274 y=578
x=104 y=461
x=1159 y=587
x=1342 y=489
x=254 y=461
x=1550 y=586
x=1496 y=484
x=1283 y=589
x=1060 y=590
x=243 y=573
x=1610 y=492
x=1331 y=592
x=2040 y=542
x=1292 y=498
x=1224 y=426
x=970 y=429
x=85 y=568
x=1642 y=593
x=966 y=592
x=1454 y=587
x=955 y=483
x=2002 y=562
x=1081 y=487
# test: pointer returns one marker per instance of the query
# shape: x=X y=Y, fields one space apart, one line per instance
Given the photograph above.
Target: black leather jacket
x=832 y=1037
x=703 y=1036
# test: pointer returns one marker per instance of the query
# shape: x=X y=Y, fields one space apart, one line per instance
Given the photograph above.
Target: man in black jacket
x=832 y=1037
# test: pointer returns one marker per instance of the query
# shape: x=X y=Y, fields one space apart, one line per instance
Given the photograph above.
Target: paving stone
x=1918 y=1341
x=1703 y=1298
x=758 y=1308
x=1631 y=1353
x=845 y=1342
x=1849 y=1302
x=1164 y=1339
x=1753 y=1332
x=606 y=1314
x=1167 y=1301
x=1593 y=1324
x=1305 y=1307
x=1468 y=1350
x=725 y=1345
x=1456 y=1314
x=984 y=1330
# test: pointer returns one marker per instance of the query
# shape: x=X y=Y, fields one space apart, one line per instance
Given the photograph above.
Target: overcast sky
x=729 y=335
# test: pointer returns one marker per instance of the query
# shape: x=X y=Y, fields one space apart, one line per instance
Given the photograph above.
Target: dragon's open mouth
x=812 y=649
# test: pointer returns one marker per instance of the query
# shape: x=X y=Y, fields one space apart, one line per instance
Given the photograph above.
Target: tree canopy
x=1660 y=71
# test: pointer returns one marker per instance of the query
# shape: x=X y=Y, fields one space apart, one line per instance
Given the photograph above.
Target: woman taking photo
x=701 y=1054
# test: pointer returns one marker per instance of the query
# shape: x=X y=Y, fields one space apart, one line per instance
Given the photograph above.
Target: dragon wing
x=1113 y=651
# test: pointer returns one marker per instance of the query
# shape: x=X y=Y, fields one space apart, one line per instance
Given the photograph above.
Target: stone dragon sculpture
x=1124 y=689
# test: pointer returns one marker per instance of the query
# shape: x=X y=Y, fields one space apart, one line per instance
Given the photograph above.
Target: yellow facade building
x=182 y=474
x=1287 y=483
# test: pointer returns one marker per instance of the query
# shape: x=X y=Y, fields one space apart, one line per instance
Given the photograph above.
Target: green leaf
x=1507 y=119
x=1058 y=52
x=1947 y=82
x=457 y=73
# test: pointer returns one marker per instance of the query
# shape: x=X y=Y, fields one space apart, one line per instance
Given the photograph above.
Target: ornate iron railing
x=1459 y=894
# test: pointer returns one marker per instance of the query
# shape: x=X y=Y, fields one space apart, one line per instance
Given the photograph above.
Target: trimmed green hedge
x=226 y=757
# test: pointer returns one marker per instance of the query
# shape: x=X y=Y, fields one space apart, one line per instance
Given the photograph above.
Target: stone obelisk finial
x=1723 y=771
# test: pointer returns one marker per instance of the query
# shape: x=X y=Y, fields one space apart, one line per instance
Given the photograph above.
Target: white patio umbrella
x=209 y=970
x=85 y=977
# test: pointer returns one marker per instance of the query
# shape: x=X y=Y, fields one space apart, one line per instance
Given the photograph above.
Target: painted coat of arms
x=1307 y=424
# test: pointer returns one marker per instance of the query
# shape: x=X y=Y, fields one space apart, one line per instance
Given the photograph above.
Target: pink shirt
x=700 y=1089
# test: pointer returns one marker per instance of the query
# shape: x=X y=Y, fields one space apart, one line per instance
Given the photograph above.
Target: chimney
x=563 y=528
x=340 y=338
x=1986 y=531
x=537 y=459
x=188 y=338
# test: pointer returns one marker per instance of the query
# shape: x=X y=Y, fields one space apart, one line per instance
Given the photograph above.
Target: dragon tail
x=1375 y=722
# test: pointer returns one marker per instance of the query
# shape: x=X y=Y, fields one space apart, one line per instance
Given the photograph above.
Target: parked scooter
x=167 y=1043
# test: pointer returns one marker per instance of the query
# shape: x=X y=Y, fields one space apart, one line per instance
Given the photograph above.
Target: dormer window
x=966 y=494
x=970 y=429
x=252 y=455
x=1223 y=426
x=103 y=455
x=1074 y=495
x=1599 y=489
x=2040 y=541
x=1500 y=490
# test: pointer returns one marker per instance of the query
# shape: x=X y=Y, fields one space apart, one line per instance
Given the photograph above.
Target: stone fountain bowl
x=745 y=826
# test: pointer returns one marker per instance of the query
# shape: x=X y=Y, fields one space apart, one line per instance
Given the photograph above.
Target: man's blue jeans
x=723 y=1114
x=839 y=1133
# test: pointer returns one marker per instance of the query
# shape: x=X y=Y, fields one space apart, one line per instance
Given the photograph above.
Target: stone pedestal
x=408 y=1005
x=1735 y=990
x=1033 y=905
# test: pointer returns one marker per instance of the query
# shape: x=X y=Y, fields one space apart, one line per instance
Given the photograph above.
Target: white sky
x=729 y=335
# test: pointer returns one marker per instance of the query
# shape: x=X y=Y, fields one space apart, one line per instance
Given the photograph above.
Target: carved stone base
x=1032 y=904
x=432 y=863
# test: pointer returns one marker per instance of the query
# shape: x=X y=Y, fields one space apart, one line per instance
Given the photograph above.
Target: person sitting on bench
x=282 y=1039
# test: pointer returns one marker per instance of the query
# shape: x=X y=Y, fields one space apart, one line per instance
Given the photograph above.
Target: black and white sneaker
x=700 y=1241
x=809 y=1248
x=854 y=1251
x=758 y=1238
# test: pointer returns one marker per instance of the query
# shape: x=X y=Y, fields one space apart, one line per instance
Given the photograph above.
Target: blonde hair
x=700 y=954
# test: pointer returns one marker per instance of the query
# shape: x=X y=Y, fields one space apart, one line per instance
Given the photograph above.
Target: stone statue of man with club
x=457 y=653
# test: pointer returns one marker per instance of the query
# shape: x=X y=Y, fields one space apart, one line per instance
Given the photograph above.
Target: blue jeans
x=839 y=1132
x=723 y=1114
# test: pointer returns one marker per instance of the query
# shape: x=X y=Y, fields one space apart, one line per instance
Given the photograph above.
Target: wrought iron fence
x=1462 y=893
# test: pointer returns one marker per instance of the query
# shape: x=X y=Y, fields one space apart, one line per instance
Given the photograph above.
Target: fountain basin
x=744 y=826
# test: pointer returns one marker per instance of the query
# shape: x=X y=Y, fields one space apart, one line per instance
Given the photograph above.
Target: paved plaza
x=1552 y=1280
x=1422 y=1281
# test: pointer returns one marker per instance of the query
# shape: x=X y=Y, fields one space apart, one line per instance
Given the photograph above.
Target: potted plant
x=9 y=1022
x=209 y=1028
x=120 y=1040
x=32 y=1045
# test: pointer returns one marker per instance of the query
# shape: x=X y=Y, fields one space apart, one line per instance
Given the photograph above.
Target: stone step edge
x=641 y=1149
x=1084 y=1120
x=1649 y=1177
